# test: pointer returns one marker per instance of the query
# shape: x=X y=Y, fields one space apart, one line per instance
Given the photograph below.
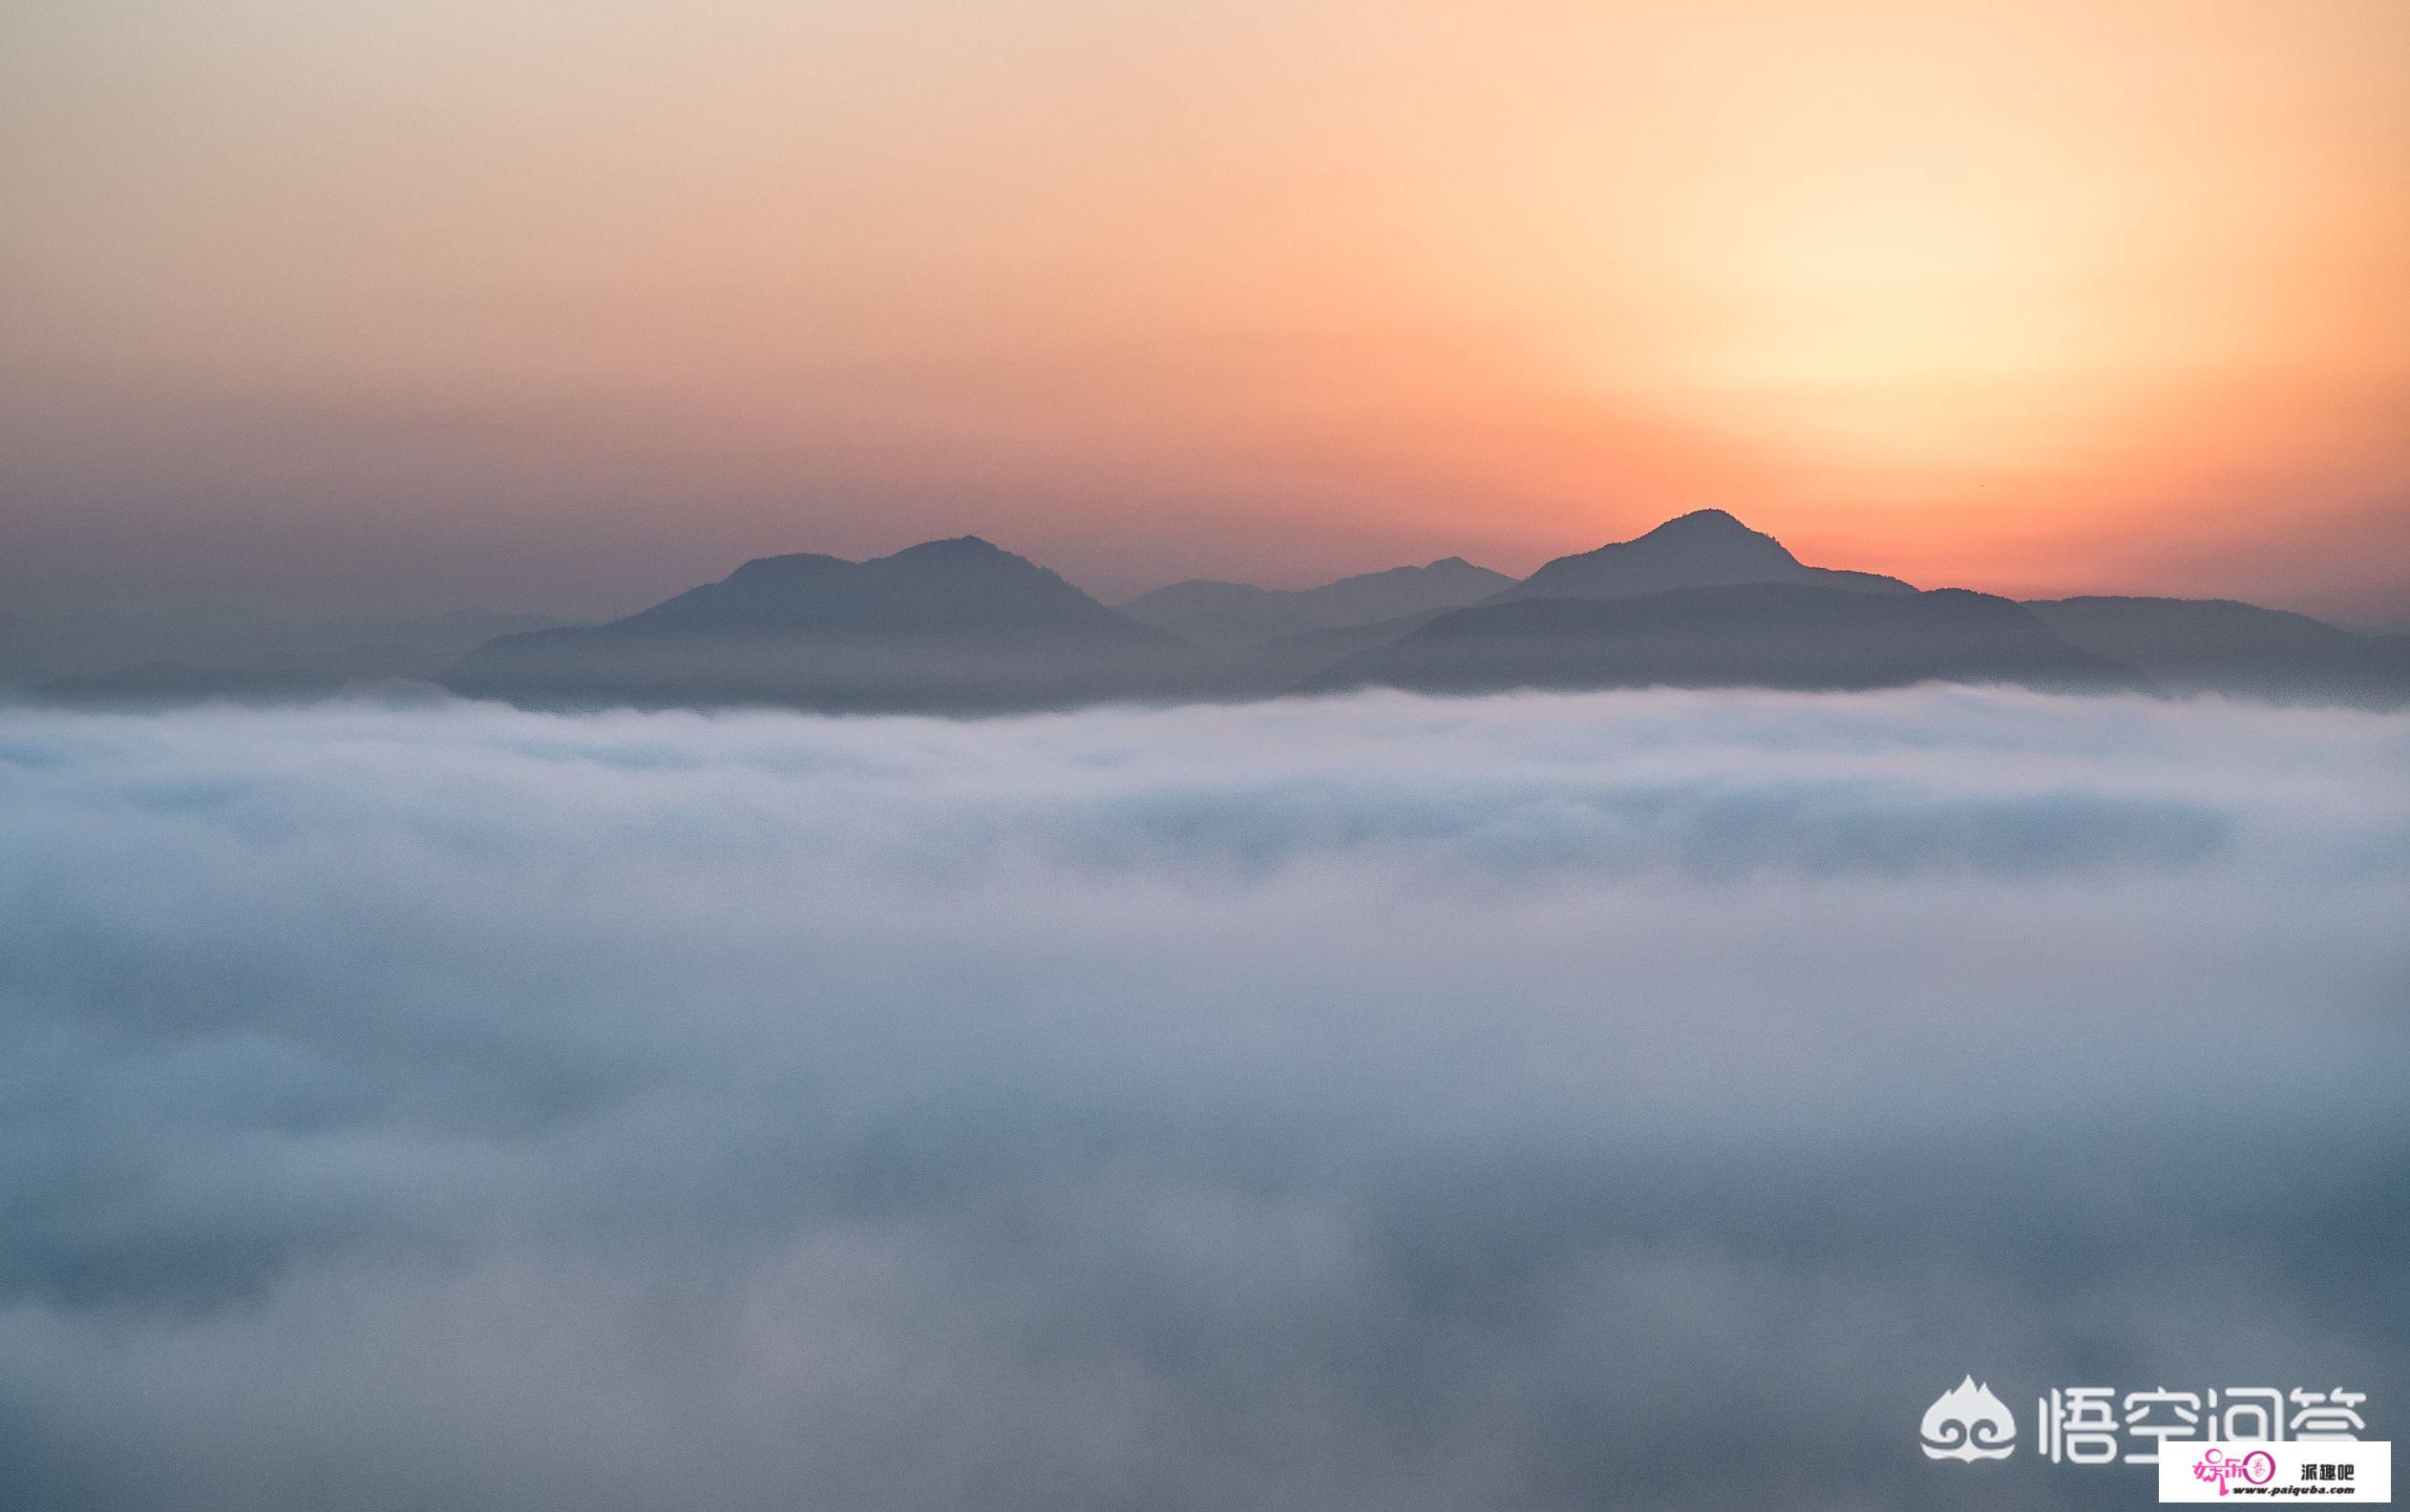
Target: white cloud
x=1374 y=1101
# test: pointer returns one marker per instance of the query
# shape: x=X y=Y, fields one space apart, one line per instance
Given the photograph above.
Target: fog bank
x=1552 y=1101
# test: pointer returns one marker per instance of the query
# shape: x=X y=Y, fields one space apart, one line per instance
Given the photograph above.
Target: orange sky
x=573 y=304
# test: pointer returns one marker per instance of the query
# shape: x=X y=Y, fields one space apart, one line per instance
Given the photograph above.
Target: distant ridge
x=949 y=626
x=1752 y=634
x=1227 y=616
x=963 y=626
x=1703 y=549
x=961 y=584
x=2217 y=645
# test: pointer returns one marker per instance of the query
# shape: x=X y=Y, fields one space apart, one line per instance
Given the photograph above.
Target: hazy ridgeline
x=961 y=626
x=1644 y=1098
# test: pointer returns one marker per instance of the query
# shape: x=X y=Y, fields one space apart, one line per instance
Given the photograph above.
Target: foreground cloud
x=1554 y=1102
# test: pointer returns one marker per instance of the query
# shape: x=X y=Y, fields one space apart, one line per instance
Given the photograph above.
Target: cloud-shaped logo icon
x=1969 y=1423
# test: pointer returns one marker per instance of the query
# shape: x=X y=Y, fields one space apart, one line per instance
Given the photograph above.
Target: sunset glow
x=578 y=304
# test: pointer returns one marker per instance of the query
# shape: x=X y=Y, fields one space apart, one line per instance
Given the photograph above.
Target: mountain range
x=953 y=626
x=1699 y=602
x=2217 y=645
x=1775 y=634
x=961 y=626
x=1228 y=615
x=1703 y=549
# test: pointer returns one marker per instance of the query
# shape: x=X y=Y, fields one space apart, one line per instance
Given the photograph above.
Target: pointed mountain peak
x=1702 y=523
x=1705 y=548
x=961 y=548
x=1704 y=534
x=786 y=564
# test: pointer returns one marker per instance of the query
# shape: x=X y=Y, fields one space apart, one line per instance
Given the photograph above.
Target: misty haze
x=1621 y=1098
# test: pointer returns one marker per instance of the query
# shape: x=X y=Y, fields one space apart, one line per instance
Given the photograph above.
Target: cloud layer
x=1381 y=1103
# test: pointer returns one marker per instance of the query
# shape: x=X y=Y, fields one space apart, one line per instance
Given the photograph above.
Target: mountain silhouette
x=1272 y=667
x=1227 y=616
x=950 y=626
x=1753 y=635
x=2217 y=645
x=1704 y=549
x=961 y=626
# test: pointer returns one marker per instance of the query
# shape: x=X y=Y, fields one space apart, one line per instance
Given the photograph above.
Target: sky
x=1374 y=1102
x=566 y=304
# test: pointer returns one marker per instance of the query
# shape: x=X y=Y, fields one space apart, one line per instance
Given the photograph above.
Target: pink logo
x=2255 y=1468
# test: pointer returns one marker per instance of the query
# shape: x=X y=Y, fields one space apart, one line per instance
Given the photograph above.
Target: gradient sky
x=569 y=304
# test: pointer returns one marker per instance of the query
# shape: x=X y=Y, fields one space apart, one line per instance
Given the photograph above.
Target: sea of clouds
x=1630 y=1100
